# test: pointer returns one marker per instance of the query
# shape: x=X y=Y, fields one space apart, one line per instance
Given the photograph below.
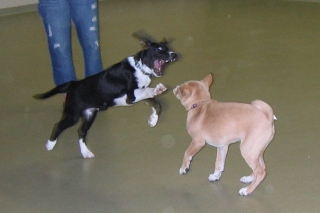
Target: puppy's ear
x=185 y=92
x=145 y=43
x=181 y=92
x=207 y=80
x=164 y=41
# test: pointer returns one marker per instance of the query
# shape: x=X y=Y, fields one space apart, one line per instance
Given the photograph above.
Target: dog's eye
x=160 y=48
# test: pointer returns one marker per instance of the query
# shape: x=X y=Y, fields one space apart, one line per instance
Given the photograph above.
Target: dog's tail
x=63 y=88
x=266 y=108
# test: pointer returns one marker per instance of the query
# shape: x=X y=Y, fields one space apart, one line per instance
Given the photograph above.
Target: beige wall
x=16 y=3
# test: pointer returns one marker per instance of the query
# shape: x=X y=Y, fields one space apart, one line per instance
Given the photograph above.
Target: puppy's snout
x=175 y=90
x=173 y=56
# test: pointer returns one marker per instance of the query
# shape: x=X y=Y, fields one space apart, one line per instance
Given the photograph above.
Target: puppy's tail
x=63 y=88
x=266 y=108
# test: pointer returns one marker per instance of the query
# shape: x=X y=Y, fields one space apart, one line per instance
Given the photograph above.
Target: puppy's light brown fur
x=222 y=123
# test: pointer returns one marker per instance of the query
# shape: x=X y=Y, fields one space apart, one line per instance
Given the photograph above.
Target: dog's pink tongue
x=157 y=64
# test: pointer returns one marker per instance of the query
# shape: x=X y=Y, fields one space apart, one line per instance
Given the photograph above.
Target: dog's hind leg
x=250 y=178
x=89 y=116
x=59 y=127
x=256 y=163
x=156 y=109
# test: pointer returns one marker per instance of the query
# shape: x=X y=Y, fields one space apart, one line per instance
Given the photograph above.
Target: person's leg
x=84 y=14
x=57 y=23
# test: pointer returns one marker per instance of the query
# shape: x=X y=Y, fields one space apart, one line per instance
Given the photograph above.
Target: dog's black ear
x=164 y=41
x=167 y=40
x=143 y=41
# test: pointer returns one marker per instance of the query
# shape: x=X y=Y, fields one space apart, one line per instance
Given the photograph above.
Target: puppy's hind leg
x=250 y=178
x=257 y=165
x=156 y=109
x=89 y=116
x=64 y=123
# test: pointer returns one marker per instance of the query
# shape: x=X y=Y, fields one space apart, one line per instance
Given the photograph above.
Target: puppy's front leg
x=219 y=166
x=144 y=93
x=156 y=109
x=194 y=147
x=147 y=94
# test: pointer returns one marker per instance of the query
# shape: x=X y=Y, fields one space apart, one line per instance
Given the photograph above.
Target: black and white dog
x=122 y=84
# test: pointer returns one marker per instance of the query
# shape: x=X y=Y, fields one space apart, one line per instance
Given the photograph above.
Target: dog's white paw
x=186 y=169
x=160 y=88
x=183 y=171
x=153 y=119
x=214 y=176
x=246 y=179
x=50 y=144
x=243 y=191
x=86 y=153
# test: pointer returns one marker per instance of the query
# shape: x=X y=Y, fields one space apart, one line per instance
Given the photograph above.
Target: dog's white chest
x=142 y=80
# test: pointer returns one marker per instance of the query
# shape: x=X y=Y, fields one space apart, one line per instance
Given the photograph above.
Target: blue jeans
x=57 y=16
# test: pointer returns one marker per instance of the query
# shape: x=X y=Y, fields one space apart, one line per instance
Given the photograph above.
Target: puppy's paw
x=246 y=179
x=87 y=154
x=130 y=99
x=160 y=88
x=183 y=171
x=244 y=191
x=50 y=144
x=214 y=176
x=153 y=119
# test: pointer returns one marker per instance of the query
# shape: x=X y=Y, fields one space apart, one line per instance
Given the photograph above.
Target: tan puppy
x=221 y=124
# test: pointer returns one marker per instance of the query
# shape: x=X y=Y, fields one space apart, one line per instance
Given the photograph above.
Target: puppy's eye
x=160 y=48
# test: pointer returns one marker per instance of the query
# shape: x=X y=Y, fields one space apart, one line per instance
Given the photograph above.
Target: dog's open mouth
x=158 y=65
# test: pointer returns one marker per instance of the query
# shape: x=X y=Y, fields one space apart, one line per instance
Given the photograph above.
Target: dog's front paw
x=243 y=191
x=160 y=88
x=130 y=99
x=246 y=179
x=214 y=176
x=183 y=171
x=153 y=119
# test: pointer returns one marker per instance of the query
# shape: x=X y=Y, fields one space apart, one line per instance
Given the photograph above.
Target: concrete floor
x=265 y=50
